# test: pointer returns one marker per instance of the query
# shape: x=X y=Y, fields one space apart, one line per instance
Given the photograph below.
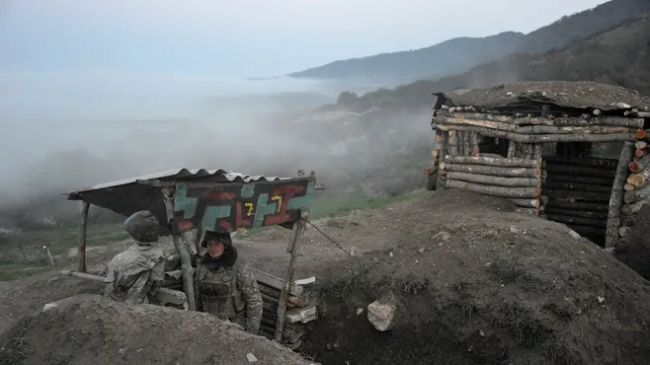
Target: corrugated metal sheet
x=126 y=196
x=184 y=174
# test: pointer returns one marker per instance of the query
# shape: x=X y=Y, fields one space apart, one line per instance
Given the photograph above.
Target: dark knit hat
x=216 y=236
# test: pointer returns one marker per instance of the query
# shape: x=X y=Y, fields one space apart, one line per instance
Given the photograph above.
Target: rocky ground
x=472 y=282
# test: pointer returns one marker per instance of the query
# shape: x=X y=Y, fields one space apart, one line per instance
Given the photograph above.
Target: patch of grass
x=407 y=286
x=24 y=255
x=330 y=205
x=345 y=287
x=15 y=270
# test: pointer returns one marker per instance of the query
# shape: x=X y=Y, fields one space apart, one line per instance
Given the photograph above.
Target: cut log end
x=640 y=134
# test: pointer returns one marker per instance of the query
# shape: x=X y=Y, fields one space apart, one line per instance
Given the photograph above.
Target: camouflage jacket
x=240 y=299
x=134 y=274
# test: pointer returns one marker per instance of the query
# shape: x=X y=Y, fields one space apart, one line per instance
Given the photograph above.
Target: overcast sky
x=243 y=38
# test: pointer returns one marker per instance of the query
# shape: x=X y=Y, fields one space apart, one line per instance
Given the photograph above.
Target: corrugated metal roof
x=183 y=174
x=126 y=196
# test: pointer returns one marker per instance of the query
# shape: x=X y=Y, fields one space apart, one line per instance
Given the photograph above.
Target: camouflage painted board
x=231 y=206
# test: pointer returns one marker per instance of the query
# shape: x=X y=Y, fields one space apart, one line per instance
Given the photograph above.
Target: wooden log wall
x=533 y=130
x=635 y=192
x=461 y=143
x=516 y=179
x=578 y=192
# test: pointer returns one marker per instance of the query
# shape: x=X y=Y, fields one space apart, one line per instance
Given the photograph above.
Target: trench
x=427 y=330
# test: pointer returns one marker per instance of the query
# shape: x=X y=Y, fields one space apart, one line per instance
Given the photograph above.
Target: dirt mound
x=23 y=297
x=88 y=329
x=478 y=283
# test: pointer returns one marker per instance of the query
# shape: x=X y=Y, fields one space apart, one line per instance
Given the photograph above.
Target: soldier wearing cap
x=135 y=274
x=226 y=285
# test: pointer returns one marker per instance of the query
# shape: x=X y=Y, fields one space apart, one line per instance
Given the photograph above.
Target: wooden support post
x=452 y=143
x=298 y=227
x=81 y=252
x=475 y=145
x=442 y=152
x=182 y=249
x=188 y=270
x=616 y=198
x=512 y=148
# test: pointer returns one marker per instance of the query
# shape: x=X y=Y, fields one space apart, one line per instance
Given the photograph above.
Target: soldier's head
x=216 y=243
x=143 y=226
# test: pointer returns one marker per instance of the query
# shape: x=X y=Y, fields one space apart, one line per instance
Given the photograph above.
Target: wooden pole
x=475 y=145
x=298 y=227
x=452 y=143
x=442 y=152
x=616 y=198
x=182 y=249
x=492 y=170
x=506 y=192
x=81 y=252
x=492 y=180
x=512 y=149
x=491 y=161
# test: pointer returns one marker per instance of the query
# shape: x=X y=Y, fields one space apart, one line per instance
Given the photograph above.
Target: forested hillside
x=461 y=54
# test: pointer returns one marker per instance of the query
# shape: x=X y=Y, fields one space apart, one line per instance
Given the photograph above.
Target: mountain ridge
x=437 y=61
x=617 y=56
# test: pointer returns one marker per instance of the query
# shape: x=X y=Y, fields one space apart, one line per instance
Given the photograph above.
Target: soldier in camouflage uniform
x=134 y=275
x=226 y=285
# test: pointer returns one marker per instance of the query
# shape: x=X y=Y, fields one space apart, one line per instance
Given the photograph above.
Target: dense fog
x=60 y=133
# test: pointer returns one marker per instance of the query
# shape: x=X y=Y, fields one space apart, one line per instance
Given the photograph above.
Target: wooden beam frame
x=81 y=252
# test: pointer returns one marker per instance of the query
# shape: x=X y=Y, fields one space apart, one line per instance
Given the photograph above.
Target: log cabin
x=572 y=152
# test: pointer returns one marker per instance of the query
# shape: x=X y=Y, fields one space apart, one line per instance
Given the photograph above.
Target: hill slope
x=619 y=56
x=446 y=58
x=461 y=54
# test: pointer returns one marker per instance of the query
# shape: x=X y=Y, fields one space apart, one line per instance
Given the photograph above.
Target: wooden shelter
x=189 y=202
x=563 y=150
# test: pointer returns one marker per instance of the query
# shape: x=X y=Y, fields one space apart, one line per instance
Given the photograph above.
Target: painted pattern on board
x=231 y=206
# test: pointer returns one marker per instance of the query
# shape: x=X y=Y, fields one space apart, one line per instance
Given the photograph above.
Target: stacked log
x=636 y=187
x=300 y=309
x=514 y=178
x=579 y=192
x=539 y=129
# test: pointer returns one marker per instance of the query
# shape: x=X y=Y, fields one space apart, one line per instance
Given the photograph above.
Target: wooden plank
x=579 y=170
x=576 y=205
x=81 y=252
x=584 y=196
x=577 y=179
x=276 y=282
x=609 y=164
x=576 y=213
x=577 y=186
x=568 y=219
